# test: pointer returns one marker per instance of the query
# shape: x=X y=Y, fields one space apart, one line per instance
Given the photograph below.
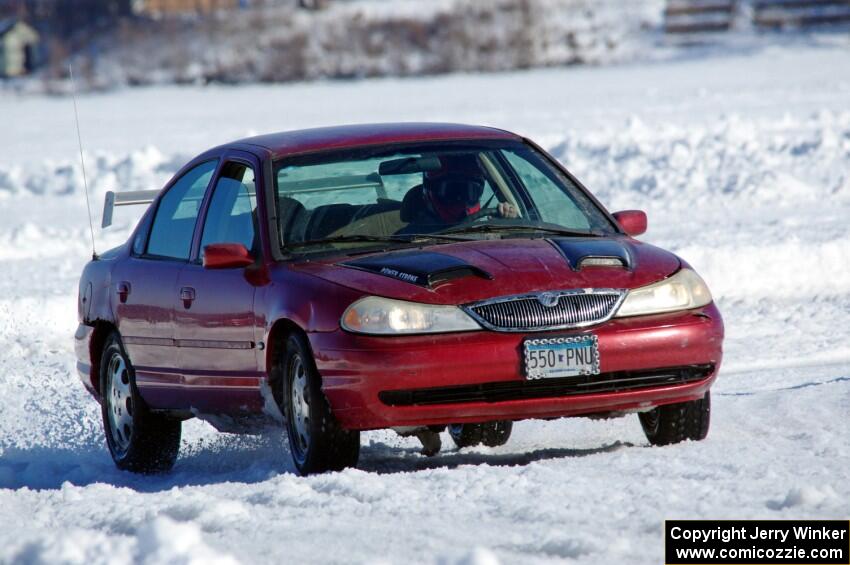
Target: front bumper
x=356 y=369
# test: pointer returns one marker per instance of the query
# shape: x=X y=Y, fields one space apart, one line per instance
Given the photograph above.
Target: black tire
x=316 y=441
x=675 y=423
x=139 y=440
x=491 y=434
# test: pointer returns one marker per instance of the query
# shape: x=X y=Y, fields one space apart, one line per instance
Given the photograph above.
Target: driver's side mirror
x=227 y=256
x=633 y=222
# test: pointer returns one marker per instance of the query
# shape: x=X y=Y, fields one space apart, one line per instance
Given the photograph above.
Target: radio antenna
x=82 y=160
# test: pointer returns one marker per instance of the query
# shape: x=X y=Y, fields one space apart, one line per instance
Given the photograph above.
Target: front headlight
x=384 y=316
x=682 y=291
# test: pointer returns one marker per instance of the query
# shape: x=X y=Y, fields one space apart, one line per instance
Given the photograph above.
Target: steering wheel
x=482 y=213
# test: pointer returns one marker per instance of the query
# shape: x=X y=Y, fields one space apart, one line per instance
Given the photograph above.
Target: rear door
x=215 y=325
x=145 y=285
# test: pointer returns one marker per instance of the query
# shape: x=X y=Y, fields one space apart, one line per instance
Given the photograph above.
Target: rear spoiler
x=128 y=198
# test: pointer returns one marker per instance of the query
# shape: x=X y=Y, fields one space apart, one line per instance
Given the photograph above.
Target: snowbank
x=735 y=162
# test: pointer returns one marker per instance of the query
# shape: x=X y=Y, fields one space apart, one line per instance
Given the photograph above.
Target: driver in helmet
x=449 y=195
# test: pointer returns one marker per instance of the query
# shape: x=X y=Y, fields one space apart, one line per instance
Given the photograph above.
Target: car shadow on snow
x=386 y=459
x=242 y=459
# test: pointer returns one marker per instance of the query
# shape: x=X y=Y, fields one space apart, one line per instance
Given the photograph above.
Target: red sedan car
x=404 y=276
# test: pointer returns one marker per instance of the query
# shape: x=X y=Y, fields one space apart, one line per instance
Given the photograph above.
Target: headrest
x=291 y=218
x=412 y=203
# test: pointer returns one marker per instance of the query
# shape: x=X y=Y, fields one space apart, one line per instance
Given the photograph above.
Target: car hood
x=463 y=272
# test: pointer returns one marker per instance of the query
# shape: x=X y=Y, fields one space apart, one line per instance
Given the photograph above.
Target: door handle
x=122 y=289
x=187 y=295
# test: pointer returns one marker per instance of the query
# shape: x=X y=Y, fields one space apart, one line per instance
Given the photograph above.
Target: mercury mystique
x=408 y=276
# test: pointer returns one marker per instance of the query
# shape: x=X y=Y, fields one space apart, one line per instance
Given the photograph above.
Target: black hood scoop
x=421 y=268
x=580 y=252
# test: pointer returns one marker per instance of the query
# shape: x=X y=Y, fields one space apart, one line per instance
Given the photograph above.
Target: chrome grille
x=547 y=310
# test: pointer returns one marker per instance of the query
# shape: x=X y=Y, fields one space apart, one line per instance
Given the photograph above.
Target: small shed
x=19 y=43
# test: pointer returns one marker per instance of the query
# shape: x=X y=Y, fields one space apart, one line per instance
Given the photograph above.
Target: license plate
x=550 y=358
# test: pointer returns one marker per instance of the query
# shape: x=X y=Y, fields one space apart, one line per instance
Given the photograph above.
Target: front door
x=214 y=321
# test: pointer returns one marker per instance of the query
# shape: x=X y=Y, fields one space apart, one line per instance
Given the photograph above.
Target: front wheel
x=316 y=441
x=138 y=440
x=491 y=434
x=674 y=423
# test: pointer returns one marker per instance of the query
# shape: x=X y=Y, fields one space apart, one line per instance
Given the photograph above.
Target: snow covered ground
x=743 y=164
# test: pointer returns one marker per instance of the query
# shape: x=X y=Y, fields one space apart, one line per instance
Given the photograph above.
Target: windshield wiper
x=521 y=227
x=410 y=238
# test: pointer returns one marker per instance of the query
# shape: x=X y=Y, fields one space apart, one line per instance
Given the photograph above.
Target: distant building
x=175 y=7
x=170 y=7
x=19 y=48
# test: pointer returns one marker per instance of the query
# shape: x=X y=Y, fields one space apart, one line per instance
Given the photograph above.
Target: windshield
x=441 y=191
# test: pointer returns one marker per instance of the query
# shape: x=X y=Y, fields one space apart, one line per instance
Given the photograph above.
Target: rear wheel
x=138 y=440
x=316 y=441
x=675 y=423
x=491 y=434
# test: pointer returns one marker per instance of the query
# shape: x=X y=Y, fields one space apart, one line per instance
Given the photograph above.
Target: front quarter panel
x=313 y=304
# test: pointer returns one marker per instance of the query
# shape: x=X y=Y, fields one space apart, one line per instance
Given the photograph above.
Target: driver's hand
x=507 y=210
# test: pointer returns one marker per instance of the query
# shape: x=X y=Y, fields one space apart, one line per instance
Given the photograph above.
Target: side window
x=174 y=224
x=232 y=217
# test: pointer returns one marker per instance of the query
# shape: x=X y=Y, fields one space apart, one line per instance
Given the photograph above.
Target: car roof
x=342 y=137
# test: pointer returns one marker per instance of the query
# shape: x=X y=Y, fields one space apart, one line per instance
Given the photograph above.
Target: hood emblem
x=548 y=299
